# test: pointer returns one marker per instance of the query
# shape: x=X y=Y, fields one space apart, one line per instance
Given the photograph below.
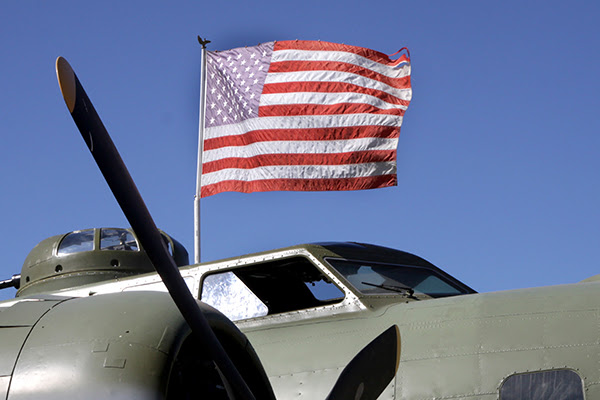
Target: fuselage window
x=76 y=242
x=561 y=384
x=269 y=288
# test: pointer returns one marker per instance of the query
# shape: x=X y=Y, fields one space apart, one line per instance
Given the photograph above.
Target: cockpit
x=323 y=275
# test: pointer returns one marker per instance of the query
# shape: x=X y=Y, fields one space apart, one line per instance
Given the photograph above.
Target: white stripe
x=300 y=147
x=303 y=122
x=275 y=99
x=301 y=172
x=341 y=56
x=335 y=76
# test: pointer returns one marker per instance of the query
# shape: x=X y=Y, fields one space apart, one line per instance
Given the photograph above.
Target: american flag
x=302 y=115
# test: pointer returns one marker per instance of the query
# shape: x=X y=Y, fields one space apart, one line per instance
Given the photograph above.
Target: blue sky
x=497 y=160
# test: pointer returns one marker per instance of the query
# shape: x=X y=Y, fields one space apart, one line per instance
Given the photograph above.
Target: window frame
x=350 y=302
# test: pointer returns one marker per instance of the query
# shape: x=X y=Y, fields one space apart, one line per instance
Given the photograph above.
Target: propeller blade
x=121 y=184
x=371 y=370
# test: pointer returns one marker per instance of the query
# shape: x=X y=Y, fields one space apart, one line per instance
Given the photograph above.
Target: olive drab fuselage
x=306 y=310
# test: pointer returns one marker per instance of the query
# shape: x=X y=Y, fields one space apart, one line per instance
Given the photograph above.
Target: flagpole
x=202 y=42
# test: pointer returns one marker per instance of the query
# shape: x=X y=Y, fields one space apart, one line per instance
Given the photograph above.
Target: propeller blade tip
x=66 y=81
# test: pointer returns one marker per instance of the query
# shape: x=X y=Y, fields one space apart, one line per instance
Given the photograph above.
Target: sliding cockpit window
x=266 y=288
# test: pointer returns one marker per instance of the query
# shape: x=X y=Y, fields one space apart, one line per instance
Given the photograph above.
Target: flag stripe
x=370 y=156
x=272 y=135
x=300 y=147
x=328 y=46
x=388 y=94
x=360 y=183
x=304 y=122
x=317 y=109
x=396 y=78
x=304 y=171
x=333 y=57
x=389 y=68
x=276 y=99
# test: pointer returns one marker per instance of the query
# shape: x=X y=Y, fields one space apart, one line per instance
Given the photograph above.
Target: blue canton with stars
x=234 y=83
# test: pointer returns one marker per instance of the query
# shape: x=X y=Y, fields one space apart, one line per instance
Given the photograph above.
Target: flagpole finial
x=203 y=42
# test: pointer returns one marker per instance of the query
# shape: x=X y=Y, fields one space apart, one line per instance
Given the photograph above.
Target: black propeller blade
x=371 y=370
x=116 y=175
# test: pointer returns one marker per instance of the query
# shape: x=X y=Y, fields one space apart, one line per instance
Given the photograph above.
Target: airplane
x=305 y=310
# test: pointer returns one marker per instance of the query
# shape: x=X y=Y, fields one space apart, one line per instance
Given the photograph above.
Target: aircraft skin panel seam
x=56 y=303
x=479 y=321
x=328 y=310
x=283 y=318
x=511 y=350
x=295 y=316
x=112 y=341
x=459 y=396
x=257 y=343
x=320 y=370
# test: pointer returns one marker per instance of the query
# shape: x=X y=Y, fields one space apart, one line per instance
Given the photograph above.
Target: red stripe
x=327 y=46
x=330 y=87
x=294 y=66
x=371 y=182
x=272 y=135
x=319 y=109
x=357 y=157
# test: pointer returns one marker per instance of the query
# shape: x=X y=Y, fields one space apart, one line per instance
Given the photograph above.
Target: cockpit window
x=379 y=278
x=228 y=294
x=272 y=287
x=76 y=242
x=117 y=239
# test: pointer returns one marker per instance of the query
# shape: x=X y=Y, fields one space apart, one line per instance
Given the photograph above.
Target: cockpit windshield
x=379 y=278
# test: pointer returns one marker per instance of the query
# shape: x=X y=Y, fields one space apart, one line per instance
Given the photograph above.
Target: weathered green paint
x=111 y=346
x=460 y=347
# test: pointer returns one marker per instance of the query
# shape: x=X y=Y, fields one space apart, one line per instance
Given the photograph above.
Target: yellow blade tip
x=66 y=81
